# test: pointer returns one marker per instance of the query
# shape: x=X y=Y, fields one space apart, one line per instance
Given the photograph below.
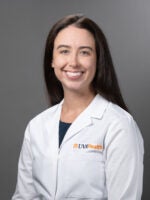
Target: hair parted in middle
x=105 y=81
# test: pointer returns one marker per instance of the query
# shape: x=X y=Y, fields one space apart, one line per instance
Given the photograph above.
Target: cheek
x=91 y=66
x=59 y=62
x=92 y=69
x=57 y=72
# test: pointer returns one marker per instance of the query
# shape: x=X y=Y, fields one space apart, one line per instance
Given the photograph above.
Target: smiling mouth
x=75 y=74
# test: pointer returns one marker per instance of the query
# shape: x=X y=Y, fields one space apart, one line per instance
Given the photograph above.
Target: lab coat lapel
x=96 y=110
x=82 y=121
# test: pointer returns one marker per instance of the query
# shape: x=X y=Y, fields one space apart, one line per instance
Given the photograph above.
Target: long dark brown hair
x=105 y=81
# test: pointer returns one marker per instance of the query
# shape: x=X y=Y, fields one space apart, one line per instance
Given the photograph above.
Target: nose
x=73 y=60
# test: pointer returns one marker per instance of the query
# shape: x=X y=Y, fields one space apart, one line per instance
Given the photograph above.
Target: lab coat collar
x=96 y=109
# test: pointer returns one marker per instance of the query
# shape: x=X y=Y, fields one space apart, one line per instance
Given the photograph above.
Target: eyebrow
x=81 y=47
x=63 y=46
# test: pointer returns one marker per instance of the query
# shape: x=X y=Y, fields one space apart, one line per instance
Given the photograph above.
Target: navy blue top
x=63 y=127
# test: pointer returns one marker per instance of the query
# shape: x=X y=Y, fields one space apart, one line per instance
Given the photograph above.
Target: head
x=104 y=82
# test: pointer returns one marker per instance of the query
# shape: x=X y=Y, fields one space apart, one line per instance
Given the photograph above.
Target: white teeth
x=73 y=74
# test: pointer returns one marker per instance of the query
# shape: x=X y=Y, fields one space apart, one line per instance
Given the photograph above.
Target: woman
x=87 y=145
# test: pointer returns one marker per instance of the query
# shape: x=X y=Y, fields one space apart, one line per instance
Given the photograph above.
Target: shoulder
x=39 y=121
x=122 y=127
x=116 y=120
x=46 y=114
x=110 y=111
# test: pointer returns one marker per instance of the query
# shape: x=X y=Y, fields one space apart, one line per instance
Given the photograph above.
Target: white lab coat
x=100 y=158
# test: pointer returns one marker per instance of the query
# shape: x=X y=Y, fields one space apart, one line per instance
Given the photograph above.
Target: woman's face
x=74 y=59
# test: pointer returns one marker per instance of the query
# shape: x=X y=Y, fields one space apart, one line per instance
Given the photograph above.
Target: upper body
x=101 y=155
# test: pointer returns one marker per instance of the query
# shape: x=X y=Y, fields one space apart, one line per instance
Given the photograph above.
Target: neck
x=74 y=104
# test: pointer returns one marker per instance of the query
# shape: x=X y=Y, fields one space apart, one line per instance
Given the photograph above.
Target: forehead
x=72 y=35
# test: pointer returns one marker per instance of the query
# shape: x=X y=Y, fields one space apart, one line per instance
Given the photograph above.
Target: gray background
x=24 y=26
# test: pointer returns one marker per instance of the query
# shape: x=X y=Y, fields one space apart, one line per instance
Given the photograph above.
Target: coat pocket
x=84 y=176
x=44 y=176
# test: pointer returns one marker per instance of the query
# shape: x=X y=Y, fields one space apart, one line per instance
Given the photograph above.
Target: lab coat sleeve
x=24 y=188
x=124 y=161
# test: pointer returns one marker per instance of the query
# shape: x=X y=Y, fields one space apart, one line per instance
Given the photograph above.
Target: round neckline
x=67 y=123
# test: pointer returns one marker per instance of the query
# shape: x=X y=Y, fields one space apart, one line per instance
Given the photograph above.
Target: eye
x=64 y=51
x=85 y=53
